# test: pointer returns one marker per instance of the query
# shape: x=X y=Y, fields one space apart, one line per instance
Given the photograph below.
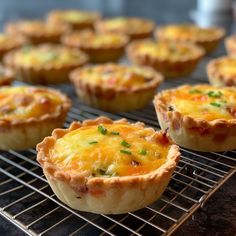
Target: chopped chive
x=193 y=91
x=126 y=152
x=215 y=104
x=143 y=152
x=215 y=94
x=93 y=142
x=102 y=129
x=114 y=133
x=125 y=144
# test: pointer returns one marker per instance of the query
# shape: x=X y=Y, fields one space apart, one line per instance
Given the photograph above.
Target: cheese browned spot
x=134 y=151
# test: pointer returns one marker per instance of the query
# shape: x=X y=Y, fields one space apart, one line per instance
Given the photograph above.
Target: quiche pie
x=8 y=43
x=222 y=71
x=230 y=44
x=36 y=32
x=105 y=47
x=170 y=58
x=115 y=88
x=107 y=167
x=76 y=19
x=135 y=28
x=6 y=76
x=208 y=38
x=200 y=117
x=28 y=114
x=45 y=63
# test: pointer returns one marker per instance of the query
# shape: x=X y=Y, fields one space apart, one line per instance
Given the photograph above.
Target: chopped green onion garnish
x=93 y=142
x=143 y=152
x=215 y=104
x=102 y=129
x=215 y=94
x=192 y=91
x=125 y=144
x=126 y=152
x=114 y=133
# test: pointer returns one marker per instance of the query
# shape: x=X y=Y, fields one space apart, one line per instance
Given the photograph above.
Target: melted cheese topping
x=188 y=32
x=90 y=39
x=203 y=101
x=130 y=151
x=117 y=76
x=166 y=50
x=20 y=103
x=45 y=55
x=226 y=66
x=126 y=25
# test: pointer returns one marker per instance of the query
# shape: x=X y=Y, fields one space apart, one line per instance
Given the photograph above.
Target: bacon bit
x=219 y=138
x=200 y=98
x=163 y=139
x=200 y=130
x=23 y=100
x=83 y=189
x=232 y=111
x=45 y=101
x=135 y=163
x=96 y=192
x=111 y=81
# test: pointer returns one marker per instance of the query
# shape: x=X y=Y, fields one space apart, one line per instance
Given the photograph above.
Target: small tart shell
x=209 y=44
x=100 y=54
x=230 y=45
x=196 y=134
x=114 y=195
x=42 y=74
x=114 y=99
x=6 y=77
x=55 y=17
x=37 y=37
x=24 y=134
x=168 y=67
x=216 y=77
x=141 y=33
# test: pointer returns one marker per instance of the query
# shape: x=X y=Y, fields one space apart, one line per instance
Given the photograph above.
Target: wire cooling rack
x=27 y=201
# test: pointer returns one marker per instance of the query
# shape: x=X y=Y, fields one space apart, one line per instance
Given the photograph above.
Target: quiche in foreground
x=134 y=27
x=114 y=87
x=222 y=71
x=208 y=38
x=100 y=48
x=28 y=114
x=44 y=63
x=170 y=58
x=200 y=117
x=107 y=167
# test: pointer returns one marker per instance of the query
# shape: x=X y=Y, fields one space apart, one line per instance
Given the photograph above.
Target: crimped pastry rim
x=153 y=83
x=75 y=179
x=63 y=109
x=187 y=120
x=8 y=59
x=19 y=41
x=132 y=52
x=220 y=34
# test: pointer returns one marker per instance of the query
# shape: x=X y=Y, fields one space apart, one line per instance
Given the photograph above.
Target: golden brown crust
x=99 y=190
x=6 y=76
x=115 y=99
x=195 y=133
x=216 y=77
x=168 y=67
x=46 y=74
x=21 y=134
x=230 y=45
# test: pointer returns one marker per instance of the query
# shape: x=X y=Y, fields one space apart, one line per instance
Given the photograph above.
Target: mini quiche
x=208 y=38
x=6 y=76
x=108 y=167
x=76 y=19
x=8 y=43
x=115 y=88
x=200 y=117
x=230 y=45
x=222 y=71
x=99 y=47
x=28 y=114
x=45 y=63
x=135 y=28
x=36 y=32
x=170 y=58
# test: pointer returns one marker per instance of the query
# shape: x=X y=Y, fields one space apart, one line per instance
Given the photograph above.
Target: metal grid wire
x=27 y=201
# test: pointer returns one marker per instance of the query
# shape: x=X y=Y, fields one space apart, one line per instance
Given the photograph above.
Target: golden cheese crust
x=134 y=27
x=6 y=76
x=200 y=117
x=114 y=87
x=222 y=71
x=170 y=58
x=105 y=161
x=208 y=38
x=28 y=114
